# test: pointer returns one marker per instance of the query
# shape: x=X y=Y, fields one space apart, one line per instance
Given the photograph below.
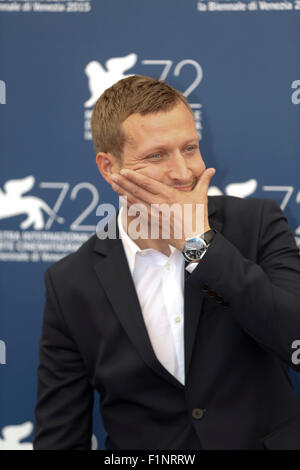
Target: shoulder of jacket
x=233 y=203
x=74 y=261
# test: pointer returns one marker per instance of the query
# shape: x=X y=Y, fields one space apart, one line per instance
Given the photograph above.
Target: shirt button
x=197 y=413
x=168 y=266
x=177 y=319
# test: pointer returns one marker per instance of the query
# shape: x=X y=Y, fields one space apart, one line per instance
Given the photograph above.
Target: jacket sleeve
x=262 y=296
x=63 y=413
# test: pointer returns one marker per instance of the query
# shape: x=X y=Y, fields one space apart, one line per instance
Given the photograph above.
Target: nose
x=179 y=172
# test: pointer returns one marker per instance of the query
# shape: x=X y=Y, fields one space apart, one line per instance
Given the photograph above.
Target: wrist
x=195 y=247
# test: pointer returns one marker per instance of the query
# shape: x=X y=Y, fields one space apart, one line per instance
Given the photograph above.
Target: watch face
x=195 y=244
x=193 y=255
x=194 y=248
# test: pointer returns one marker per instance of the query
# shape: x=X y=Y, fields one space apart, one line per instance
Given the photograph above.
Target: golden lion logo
x=101 y=79
x=13 y=203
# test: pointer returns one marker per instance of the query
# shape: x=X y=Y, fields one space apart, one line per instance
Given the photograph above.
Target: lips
x=185 y=188
x=190 y=187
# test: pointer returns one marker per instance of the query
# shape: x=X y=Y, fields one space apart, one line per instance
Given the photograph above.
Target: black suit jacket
x=241 y=315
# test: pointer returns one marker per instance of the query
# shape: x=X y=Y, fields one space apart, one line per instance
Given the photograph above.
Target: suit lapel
x=193 y=298
x=114 y=276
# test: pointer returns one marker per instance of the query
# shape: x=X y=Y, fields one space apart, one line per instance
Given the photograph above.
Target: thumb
x=205 y=179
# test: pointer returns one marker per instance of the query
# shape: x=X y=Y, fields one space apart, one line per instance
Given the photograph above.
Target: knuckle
x=146 y=185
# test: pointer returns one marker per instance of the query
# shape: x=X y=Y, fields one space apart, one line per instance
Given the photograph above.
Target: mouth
x=190 y=187
x=185 y=188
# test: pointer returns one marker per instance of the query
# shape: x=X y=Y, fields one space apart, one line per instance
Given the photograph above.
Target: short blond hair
x=134 y=94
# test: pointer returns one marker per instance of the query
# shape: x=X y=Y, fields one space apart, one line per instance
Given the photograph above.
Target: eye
x=155 y=156
x=190 y=148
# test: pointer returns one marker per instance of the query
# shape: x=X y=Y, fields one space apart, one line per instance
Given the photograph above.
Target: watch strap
x=208 y=236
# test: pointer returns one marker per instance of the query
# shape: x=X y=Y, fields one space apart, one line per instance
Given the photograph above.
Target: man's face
x=164 y=146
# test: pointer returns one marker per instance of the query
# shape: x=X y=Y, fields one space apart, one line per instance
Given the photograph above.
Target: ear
x=107 y=165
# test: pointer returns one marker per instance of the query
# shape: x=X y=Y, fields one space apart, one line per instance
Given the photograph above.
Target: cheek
x=153 y=171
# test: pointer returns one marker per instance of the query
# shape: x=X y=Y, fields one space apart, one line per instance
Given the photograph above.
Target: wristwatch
x=195 y=247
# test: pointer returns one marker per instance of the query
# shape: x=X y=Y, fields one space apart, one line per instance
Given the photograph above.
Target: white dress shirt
x=159 y=283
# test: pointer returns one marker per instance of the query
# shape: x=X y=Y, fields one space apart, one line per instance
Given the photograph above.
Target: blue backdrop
x=236 y=61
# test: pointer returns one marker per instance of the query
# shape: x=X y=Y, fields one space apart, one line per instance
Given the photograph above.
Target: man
x=188 y=342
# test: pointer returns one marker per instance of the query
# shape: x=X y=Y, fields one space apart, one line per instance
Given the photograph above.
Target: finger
x=131 y=198
x=149 y=184
x=204 y=180
x=133 y=189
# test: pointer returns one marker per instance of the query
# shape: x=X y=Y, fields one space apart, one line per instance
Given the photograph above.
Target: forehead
x=177 y=123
